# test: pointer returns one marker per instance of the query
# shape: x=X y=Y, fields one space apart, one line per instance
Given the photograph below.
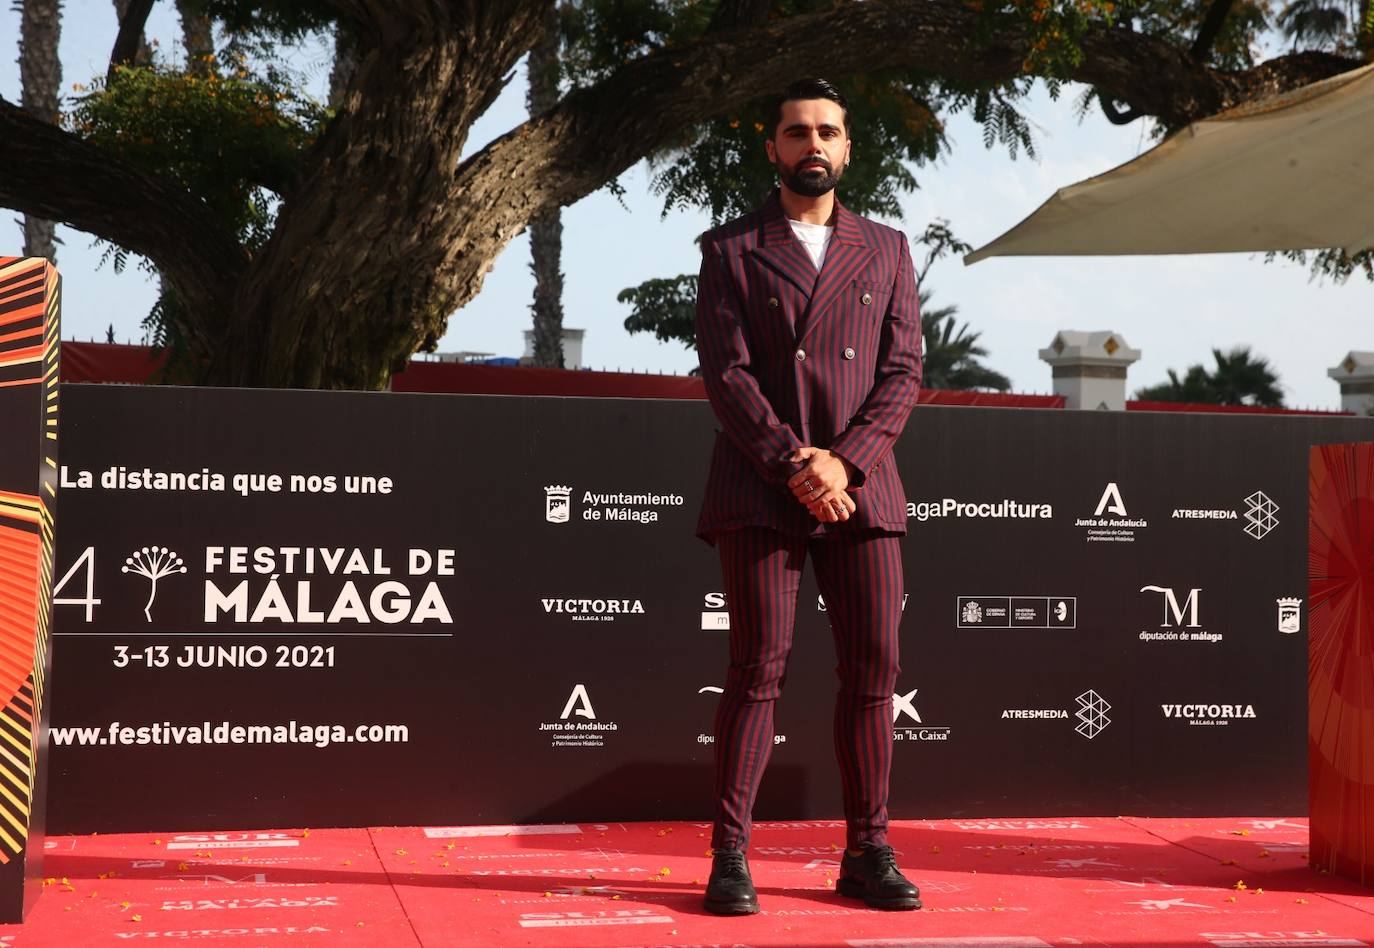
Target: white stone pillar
x=1356 y=377
x=1089 y=368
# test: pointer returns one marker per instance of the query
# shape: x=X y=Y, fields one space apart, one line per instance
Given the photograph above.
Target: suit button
x=848 y=352
x=773 y=302
x=866 y=298
x=801 y=355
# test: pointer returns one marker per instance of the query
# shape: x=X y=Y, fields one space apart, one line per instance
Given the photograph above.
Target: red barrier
x=1340 y=699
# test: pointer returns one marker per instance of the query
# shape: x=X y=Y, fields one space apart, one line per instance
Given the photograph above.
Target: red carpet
x=1230 y=883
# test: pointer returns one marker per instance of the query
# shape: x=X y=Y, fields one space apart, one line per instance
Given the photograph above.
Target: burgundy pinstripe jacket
x=791 y=358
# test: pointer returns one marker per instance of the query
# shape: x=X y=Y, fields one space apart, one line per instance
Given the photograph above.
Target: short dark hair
x=807 y=89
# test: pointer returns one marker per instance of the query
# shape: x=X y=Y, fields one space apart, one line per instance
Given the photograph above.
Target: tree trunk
x=197 y=38
x=40 y=79
x=546 y=227
x=143 y=54
x=344 y=68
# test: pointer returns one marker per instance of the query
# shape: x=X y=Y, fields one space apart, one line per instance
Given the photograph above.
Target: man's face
x=809 y=148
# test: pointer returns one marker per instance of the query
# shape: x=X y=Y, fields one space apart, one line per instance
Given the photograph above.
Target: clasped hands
x=822 y=485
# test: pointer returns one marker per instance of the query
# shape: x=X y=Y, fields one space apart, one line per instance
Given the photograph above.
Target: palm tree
x=1239 y=379
x=950 y=355
x=40 y=78
x=1321 y=24
x=1243 y=379
x=546 y=227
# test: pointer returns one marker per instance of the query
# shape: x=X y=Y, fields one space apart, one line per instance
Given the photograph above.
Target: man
x=810 y=348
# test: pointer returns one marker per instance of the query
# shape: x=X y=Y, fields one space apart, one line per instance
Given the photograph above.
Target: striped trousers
x=860 y=577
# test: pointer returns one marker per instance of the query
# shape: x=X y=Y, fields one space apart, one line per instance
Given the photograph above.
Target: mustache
x=815 y=162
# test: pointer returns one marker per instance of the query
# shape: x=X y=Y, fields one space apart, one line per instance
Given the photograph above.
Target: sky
x=1174 y=309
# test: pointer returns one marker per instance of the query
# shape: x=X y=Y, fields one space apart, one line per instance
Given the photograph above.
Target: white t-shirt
x=814 y=237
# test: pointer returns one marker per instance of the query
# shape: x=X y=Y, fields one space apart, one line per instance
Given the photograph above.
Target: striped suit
x=791 y=357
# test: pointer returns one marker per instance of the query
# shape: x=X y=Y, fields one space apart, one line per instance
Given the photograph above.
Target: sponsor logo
x=611 y=507
x=998 y=510
x=152 y=563
x=704 y=738
x=580 y=703
x=589 y=732
x=593 y=610
x=820 y=602
x=1208 y=715
x=533 y=829
x=1019 y=825
x=1163 y=905
x=200 y=905
x=917 y=731
x=1091 y=714
x=1110 y=522
x=1275 y=824
x=286 y=597
x=1017 y=612
x=1261 y=515
x=1290 y=615
x=955 y=941
x=584 y=919
x=1180 y=619
x=557 y=503
x=713 y=613
x=183 y=934
x=232 y=841
x=1280 y=939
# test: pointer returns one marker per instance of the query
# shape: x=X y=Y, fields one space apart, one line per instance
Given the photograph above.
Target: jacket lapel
x=845 y=257
x=780 y=249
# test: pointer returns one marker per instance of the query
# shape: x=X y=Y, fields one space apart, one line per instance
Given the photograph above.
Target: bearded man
x=810 y=346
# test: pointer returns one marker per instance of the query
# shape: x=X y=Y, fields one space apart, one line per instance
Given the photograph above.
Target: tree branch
x=1211 y=26
x=53 y=174
x=734 y=14
x=131 y=27
x=600 y=131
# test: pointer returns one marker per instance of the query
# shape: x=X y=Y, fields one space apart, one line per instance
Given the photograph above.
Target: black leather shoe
x=730 y=890
x=873 y=877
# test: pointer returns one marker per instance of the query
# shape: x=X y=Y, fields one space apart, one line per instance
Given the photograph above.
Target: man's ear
x=770 y=151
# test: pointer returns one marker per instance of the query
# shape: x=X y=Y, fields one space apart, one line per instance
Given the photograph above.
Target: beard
x=808 y=182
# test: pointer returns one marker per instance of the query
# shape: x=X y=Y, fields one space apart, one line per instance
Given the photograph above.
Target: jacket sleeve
x=744 y=412
x=897 y=380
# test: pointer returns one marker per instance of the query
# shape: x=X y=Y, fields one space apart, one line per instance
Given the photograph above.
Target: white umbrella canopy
x=1294 y=172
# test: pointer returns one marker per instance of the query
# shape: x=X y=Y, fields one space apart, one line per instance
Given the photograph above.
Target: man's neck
x=808 y=210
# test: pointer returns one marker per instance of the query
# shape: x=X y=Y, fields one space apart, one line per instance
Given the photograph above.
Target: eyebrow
x=799 y=126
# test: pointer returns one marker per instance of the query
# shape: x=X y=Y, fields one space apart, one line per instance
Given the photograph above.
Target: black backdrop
x=1040 y=675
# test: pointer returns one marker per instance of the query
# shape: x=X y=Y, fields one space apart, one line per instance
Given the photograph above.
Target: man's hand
x=821 y=484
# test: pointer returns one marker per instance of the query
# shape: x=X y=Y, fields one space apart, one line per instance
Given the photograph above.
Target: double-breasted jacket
x=792 y=357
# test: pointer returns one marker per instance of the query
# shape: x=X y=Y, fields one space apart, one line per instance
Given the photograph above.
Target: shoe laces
x=731 y=862
x=884 y=859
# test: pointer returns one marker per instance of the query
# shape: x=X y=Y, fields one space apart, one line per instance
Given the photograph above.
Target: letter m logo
x=1172 y=610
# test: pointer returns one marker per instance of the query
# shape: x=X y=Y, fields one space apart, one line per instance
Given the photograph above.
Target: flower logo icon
x=154 y=563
